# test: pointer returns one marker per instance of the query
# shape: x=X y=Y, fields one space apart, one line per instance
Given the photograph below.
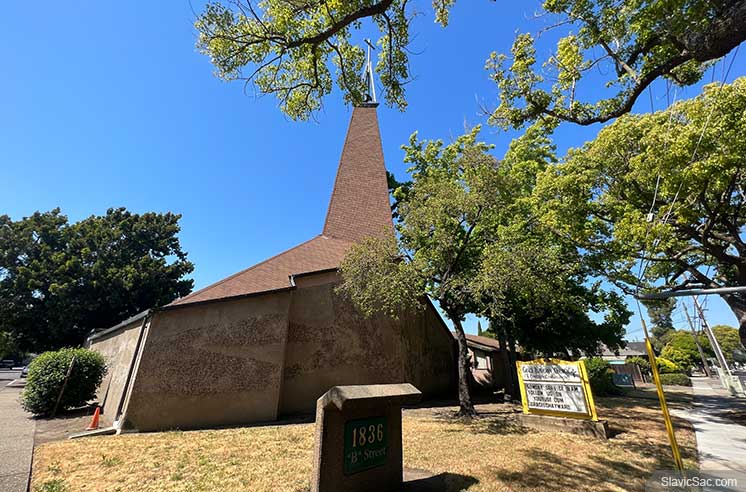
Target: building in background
x=489 y=364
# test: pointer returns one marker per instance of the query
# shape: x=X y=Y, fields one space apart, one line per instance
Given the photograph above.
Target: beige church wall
x=330 y=343
x=211 y=365
x=430 y=353
x=118 y=349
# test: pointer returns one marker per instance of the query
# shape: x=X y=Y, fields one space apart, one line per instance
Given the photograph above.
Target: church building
x=267 y=341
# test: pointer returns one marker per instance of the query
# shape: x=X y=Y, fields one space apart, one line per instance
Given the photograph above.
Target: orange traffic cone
x=94 y=421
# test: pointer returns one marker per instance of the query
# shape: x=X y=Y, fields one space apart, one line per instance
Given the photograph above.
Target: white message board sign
x=557 y=397
x=556 y=387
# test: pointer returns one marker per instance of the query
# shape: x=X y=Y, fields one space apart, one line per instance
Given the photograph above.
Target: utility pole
x=705 y=365
x=711 y=336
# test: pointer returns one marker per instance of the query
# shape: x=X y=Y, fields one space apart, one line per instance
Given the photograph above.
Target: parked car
x=7 y=364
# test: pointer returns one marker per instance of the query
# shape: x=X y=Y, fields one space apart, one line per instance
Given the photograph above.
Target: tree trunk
x=737 y=304
x=502 y=338
x=725 y=32
x=513 y=372
x=464 y=371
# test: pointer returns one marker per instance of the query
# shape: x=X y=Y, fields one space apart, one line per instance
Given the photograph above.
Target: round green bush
x=675 y=380
x=678 y=357
x=666 y=366
x=47 y=373
x=601 y=377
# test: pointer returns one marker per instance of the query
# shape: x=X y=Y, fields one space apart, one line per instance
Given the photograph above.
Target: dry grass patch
x=489 y=454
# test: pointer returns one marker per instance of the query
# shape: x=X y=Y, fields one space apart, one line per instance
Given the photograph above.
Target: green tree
x=537 y=296
x=642 y=362
x=729 y=341
x=59 y=281
x=681 y=349
x=533 y=284
x=660 y=312
x=632 y=42
x=440 y=240
x=299 y=51
x=8 y=346
x=657 y=201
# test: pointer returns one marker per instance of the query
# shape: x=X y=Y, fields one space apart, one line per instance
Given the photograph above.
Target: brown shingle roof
x=359 y=207
x=484 y=342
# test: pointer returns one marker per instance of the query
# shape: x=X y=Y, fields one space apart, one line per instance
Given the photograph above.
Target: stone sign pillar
x=358 y=438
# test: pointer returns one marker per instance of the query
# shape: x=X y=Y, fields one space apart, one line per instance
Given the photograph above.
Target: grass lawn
x=488 y=454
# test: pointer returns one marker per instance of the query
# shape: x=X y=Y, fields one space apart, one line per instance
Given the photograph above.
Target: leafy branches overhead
x=297 y=50
x=688 y=226
x=635 y=41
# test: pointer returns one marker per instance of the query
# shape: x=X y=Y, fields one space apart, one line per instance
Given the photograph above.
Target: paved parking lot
x=16 y=439
x=7 y=376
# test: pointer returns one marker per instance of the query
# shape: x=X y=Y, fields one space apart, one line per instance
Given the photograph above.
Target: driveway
x=7 y=375
x=16 y=440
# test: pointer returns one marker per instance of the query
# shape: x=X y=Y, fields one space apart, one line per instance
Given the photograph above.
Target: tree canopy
x=298 y=51
x=532 y=284
x=470 y=238
x=440 y=226
x=59 y=281
x=657 y=200
x=729 y=341
x=681 y=349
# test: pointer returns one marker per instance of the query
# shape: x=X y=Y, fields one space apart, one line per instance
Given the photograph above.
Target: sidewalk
x=16 y=442
x=721 y=441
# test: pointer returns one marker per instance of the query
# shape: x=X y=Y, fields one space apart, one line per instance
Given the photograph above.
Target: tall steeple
x=359 y=208
x=359 y=205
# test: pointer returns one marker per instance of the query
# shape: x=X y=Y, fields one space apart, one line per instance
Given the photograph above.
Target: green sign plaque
x=365 y=444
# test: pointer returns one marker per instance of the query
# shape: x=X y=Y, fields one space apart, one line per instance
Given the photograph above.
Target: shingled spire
x=360 y=205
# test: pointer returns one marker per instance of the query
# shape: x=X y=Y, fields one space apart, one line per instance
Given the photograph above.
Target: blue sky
x=107 y=104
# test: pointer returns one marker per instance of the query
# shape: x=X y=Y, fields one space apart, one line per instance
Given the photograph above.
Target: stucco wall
x=211 y=365
x=249 y=360
x=429 y=353
x=330 y=343
x=118 y=348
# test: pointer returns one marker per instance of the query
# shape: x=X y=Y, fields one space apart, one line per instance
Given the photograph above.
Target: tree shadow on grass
x=640 y=432
x=552 y=472
x=424 y=481
x=442 y=482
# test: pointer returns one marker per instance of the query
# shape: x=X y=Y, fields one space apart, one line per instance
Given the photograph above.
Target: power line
x=643 y=262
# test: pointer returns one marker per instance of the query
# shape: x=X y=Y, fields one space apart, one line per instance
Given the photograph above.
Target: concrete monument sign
x=556 y=387
x=358 y=438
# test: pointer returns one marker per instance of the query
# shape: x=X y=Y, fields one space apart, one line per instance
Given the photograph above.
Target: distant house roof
x=632 y=349
x=359 y=207
x=482 y=343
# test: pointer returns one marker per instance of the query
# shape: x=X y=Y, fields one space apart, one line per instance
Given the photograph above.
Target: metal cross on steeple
x=370 y=96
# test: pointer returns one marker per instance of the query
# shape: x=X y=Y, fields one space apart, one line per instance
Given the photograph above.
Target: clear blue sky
x=107 y=104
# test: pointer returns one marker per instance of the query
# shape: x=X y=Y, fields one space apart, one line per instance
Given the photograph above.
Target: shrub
x=47 y=374
x=675 y=379
x=600 y=375
x=642 y=362
x=666 y=366
x=679 y=357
